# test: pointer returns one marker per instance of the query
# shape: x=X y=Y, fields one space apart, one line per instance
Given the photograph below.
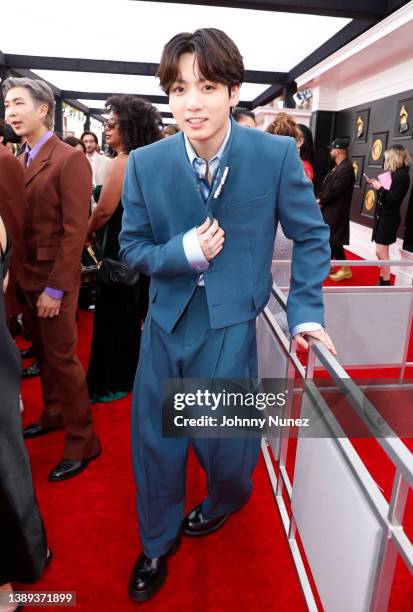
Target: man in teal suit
x=200 y=214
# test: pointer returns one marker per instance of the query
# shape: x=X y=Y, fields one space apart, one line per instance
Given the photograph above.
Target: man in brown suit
x=58 y=185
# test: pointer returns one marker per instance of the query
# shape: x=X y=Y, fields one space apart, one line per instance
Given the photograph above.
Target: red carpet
x=92 y=529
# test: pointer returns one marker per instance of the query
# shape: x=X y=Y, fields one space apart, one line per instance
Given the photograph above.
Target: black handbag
x=90 y=266
x=114 y=272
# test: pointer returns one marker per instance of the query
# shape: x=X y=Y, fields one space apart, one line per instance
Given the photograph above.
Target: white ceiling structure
x=79 y=46
x=127 y=30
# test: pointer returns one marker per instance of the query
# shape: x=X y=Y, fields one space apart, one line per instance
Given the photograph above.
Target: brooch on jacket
x=221 y=183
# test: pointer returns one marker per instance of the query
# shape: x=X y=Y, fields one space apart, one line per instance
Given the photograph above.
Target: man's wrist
x=55 y=294
x=303 y=328
x=193 y=251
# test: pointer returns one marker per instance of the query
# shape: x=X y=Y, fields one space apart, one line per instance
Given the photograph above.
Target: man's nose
x=194 y=101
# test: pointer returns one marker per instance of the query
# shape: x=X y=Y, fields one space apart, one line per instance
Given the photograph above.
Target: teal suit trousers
x=192 y=350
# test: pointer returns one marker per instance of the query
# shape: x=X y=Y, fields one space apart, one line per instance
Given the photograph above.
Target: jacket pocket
x=244 y=205
x=47 y=253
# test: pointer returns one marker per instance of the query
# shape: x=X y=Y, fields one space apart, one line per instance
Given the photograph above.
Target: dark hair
x=87 y=133
x=218 y=57
x=240 y=112
x=9 y=135
x=73 y=142
x=139 y=121
x=307 y=148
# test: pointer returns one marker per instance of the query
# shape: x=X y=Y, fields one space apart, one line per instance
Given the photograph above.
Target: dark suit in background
x=335 y=201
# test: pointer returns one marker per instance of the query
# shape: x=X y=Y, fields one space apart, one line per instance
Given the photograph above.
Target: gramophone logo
x=404 y=120
x=360 y=127
x=356 y=169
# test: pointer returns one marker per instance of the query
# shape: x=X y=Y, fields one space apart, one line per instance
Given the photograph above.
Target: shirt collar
x=33 y=152
x=192 y=155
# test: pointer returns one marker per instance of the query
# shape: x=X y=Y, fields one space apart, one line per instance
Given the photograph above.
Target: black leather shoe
x=68 y=468
x=148 y=575
x=35 y=430
x=32 y=370
x=28 y=353
x=196 y=525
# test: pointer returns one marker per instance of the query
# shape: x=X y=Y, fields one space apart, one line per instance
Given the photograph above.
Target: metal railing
x=369 y=289
x=393 y=539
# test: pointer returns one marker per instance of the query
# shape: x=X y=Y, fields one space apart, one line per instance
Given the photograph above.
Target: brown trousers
x=65 y=395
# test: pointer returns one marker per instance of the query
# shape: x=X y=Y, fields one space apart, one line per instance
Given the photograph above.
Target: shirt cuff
x=305 y=327
x=193 y=251
x=54 y=293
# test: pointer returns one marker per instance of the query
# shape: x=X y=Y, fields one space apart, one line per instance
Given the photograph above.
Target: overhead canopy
x=122 y=41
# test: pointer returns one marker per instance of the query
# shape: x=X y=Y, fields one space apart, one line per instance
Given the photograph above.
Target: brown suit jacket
x=58 y=189
x=11 y=194
x=11 y=211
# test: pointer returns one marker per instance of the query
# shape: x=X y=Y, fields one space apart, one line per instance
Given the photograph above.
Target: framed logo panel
x=368 y=203
x=403 y=120
x=377 y=149
x=361 y=125
x=358 y=167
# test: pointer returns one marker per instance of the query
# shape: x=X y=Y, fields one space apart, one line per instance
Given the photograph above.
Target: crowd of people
x=168 y=218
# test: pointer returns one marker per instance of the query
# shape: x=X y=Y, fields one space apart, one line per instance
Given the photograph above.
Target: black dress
x=387 y=213
x=117 y=326
x=23 y=545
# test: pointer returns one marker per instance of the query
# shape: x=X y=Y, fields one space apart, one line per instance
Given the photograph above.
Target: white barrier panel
x=339 y=531
x=272 y=363
x=368 y=327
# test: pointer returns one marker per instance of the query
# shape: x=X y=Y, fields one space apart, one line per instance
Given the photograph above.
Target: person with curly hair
x=284 y=125
x=119 y=308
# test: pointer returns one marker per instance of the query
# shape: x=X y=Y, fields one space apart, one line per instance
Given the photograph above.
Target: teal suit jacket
x=265 y=185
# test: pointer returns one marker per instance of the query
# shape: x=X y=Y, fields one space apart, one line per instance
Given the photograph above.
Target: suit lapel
x=230 y=149
x=187 y=187
x=328 y=177
x=189 y=181
x=41 y=160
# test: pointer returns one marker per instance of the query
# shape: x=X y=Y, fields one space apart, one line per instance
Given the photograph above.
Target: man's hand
x=320 y=335
x=47 y=306
x=211 y=238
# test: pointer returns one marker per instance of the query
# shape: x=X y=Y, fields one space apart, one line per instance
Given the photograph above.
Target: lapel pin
x=221 y=183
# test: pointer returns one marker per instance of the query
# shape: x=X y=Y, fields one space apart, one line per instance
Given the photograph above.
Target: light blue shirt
x=192 y=247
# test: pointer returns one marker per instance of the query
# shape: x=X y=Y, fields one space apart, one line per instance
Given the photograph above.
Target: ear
x=234 y=97
x=43 y=108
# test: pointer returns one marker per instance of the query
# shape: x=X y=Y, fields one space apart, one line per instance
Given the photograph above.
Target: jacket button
x=178 y=311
